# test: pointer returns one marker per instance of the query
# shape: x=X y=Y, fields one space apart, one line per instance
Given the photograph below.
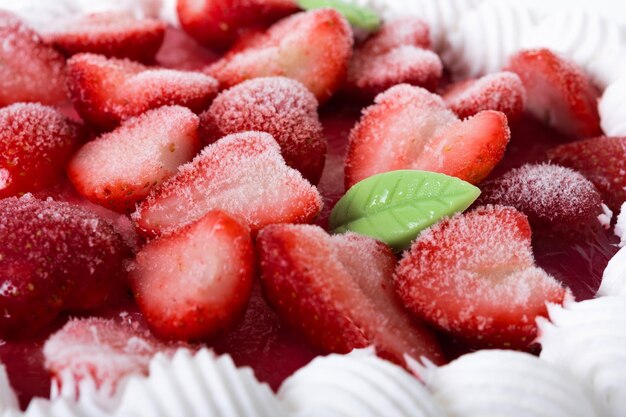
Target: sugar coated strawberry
x=113 y=34
x=106 y=91
x=410 y=128
x=30 y=71
x=218 y=23
x=602 y=160
x=99 y=353
x=242 y=174
x=54 y=257
x=311 y=47
x=398 y=32
x=558 y=92
x=474 y=276
x=118 y=169
x=550 y=195
x=195 y=283
x=501 y=91
x=337 y=291
x=279 y=106
x=36 y=142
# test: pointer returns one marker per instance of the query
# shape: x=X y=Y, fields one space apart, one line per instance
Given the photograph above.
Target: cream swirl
x=8 y=400
x=487 y=37
x=614 y=277
x=199 y=384
x=357 y=384
x=588 y=340
x=612 y=109
x=506 y=383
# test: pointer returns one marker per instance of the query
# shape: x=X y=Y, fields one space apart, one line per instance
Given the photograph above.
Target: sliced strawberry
x=337 y=291
x=602 y=160
x=558 y=92
x=36 y=142
x=195 y=284
x=53 y=257
x=119 y=168
x=99 y=353
x=410 y=128
x=550 y=195
x=311 y=47
x=218 y=23
x=113 y=34
x=474 y=276
x=397 y=54
x=107 y=91
x=242 y=174
x=279 y=106
x=30 y=71
x=501 y=91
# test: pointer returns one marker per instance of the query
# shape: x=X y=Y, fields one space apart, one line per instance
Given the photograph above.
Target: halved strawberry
x=602 y=160
x=113 y=34
x=218 y=23
x=311 y=47
x=501 y=91
x=99 y=353
x=106 y=91
x=54 y=257
x=558 y=92
x=410 y=128
x=279 y=106
x=195 y=283
x=337 y=291
x=397 y=54
x=36 y=142
x=474 y=276
x=118 y=169
x=30 y=71
x=242 y=174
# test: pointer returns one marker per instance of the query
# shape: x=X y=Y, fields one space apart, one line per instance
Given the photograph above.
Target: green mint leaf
x=358 y=16
x=396 y=206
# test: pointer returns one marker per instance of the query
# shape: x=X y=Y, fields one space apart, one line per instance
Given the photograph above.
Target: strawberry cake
x=312 y=208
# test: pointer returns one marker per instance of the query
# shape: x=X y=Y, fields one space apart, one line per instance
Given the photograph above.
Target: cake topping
x=337 y=291
x=614 y=277
x=612 y=108
x=474 y=276
x=395 y=206
x=280 y=106
x=242 y=174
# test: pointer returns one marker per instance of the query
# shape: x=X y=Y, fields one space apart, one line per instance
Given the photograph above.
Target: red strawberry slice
x=396 y=54
x=474 y=276
x=602 y=160
x=242 y=174
x=410 y=128
x=112 y=34
x=502 y=91
x=36 y=142
x=30 y=71
x=279 y=106
x=550 y=195
x=99 y=353
x=107 y=91
x=337 y=291
x=195 y=284
x=311 y=47
x=53 y=257
x=218 y=23
x=558 y=92
x=119 y=168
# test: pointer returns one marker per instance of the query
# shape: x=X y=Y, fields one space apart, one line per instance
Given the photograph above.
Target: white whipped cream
x=8 y=399
x=614 y=277
x=59 y=408
x=588 y=340
x=612 y=109
x=486 y=37
x=620 y=225
x=199 y=384
x=356 y=385
x=506 y=383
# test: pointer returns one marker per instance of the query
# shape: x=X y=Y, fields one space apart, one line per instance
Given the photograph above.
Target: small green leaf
x=358 y=16
x=396 y=206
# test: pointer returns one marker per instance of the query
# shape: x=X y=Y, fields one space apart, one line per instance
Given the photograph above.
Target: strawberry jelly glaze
x=261 y=341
